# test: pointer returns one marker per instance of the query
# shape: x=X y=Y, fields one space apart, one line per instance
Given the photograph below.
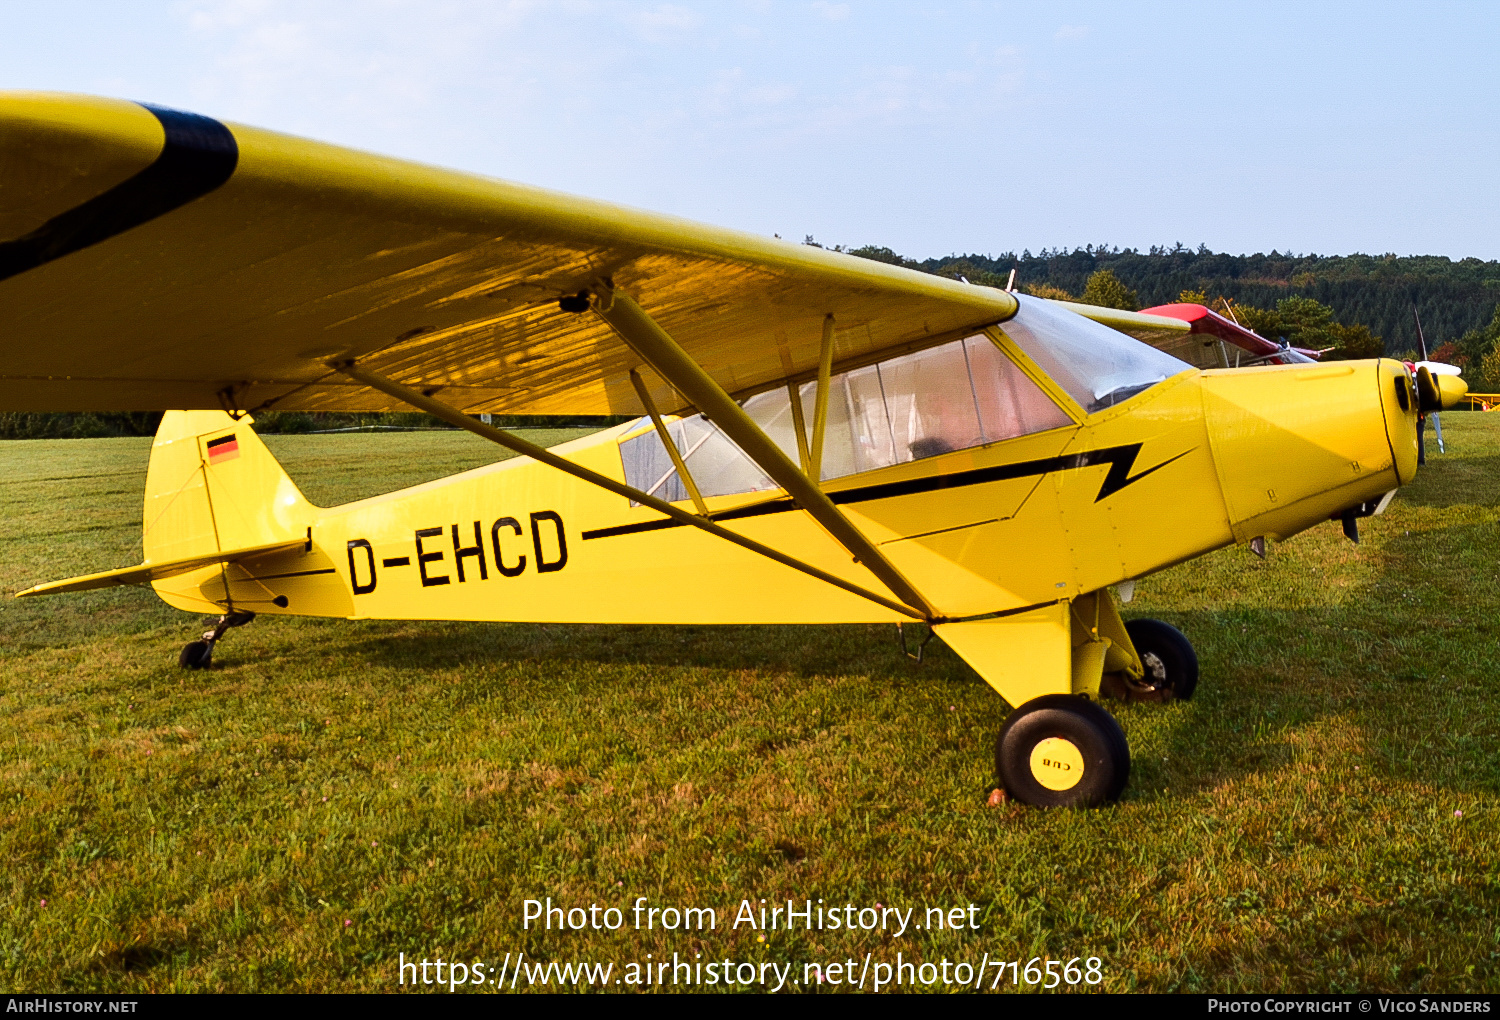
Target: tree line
x=1352 y=306
x=98 y=425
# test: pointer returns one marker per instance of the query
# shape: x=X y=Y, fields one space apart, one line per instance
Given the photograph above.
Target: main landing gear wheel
x=1061 y=750
x=1171 y=664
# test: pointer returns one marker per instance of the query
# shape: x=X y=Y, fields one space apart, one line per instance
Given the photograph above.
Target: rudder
x=212 y=486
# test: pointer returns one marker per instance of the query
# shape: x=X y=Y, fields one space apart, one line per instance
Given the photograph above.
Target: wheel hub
x=1057 y=764
x=1155 y=667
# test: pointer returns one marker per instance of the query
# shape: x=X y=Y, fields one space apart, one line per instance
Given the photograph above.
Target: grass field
x=1322 y=816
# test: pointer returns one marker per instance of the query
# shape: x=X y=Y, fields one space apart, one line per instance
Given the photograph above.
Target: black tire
x=196 y=655
x=1171 y=664
x=1092 y=745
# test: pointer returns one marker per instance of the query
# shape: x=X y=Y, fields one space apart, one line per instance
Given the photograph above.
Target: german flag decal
x=222 y=449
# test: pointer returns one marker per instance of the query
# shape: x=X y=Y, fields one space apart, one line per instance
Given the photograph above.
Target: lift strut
x=678 y=368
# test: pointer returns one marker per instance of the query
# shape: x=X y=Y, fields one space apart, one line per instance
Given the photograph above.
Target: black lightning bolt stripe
x=199 y=155
x=1119 y=458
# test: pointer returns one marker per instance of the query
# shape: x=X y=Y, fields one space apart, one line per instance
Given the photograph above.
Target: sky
x=932 y=128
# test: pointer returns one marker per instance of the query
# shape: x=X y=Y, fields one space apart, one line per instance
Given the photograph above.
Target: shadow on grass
x=1271 y=676
x=870 y=651
x=1397 y=945
x=138 y=957
x=1403 y=664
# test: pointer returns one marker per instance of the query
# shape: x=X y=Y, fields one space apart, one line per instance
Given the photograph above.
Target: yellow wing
x=153 y=259
x=1174 y=336
x=1157 y=330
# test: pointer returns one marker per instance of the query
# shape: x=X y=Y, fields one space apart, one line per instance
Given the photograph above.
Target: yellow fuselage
x=1200 y=461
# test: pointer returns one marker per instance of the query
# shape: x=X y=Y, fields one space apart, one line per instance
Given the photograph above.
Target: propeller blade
x=1437 y=428
x=1421 y=340
x=1429 y=397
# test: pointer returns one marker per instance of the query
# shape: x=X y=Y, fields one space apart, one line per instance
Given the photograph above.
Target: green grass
x=1294 y=827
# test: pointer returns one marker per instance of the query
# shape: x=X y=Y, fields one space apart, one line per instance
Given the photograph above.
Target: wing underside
x=151 y=259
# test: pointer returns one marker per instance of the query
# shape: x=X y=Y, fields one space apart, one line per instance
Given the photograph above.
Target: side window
x=953 y=397
x=715 y=462
x=929 y=403
x=649 y=467
x=1009 y=403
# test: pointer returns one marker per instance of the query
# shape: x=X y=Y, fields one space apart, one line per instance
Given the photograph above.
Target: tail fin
x=225 y=529
x=212 y=487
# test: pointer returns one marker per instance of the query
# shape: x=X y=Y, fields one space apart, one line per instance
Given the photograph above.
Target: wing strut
x=804 y=455
x=454 y=416
x=820 y=404
x=677 y=367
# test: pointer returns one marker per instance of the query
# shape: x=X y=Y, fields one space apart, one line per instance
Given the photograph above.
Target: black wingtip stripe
x=199 y=155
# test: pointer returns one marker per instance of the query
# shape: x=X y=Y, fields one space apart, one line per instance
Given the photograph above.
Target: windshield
x=1098 y=366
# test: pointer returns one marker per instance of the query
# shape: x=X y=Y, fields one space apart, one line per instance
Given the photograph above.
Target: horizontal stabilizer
x=146 y=572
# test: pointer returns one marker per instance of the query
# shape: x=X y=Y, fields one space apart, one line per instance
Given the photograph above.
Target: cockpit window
x=1097 y=366
x=951 y=397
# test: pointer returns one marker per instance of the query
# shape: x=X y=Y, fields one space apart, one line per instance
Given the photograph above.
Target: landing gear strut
x=199 y=654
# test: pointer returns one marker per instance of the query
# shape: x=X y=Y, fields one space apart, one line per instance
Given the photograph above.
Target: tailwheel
x=1061 y=750
x=200 y=654
x=1171 y=664
x=196 y=655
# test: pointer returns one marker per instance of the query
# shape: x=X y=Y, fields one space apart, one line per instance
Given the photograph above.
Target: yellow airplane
x=822 y=439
